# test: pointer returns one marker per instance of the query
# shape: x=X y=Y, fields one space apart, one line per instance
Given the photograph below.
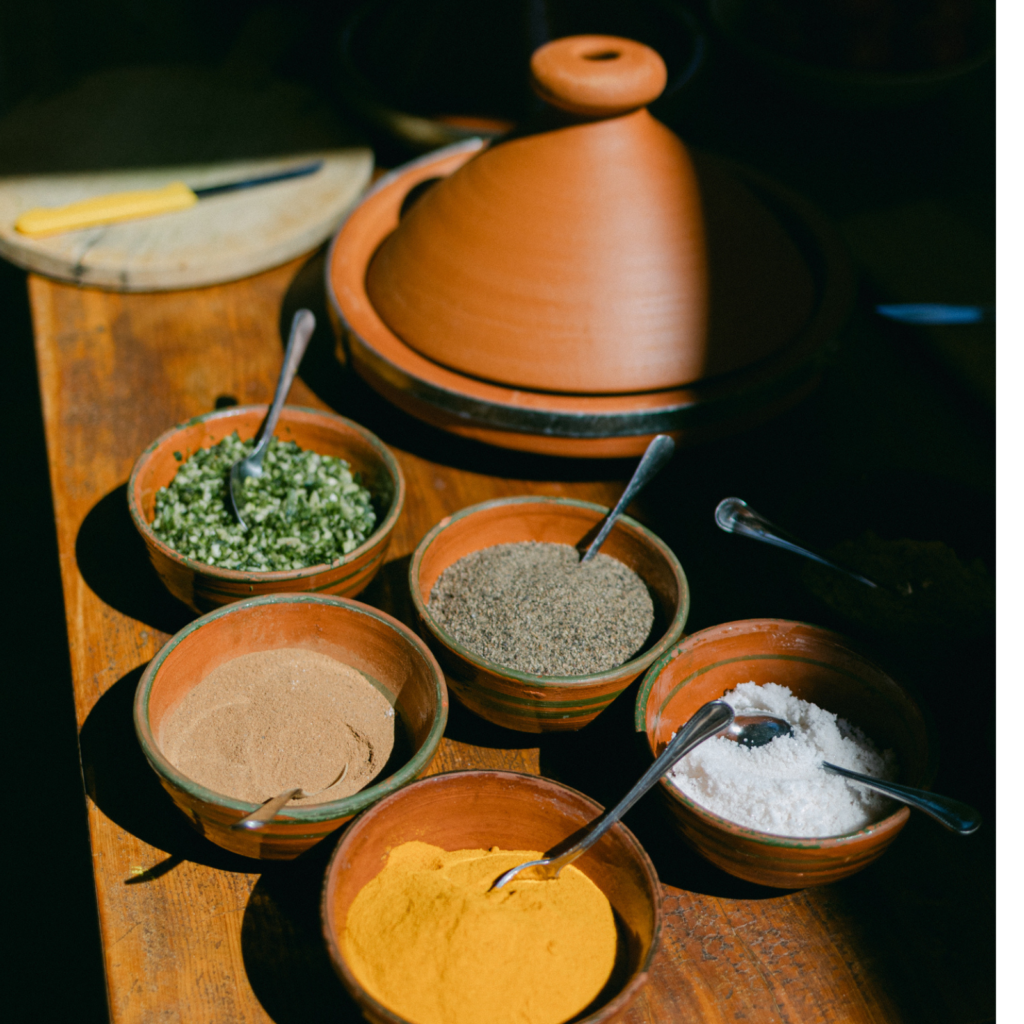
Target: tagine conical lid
x=572 y=260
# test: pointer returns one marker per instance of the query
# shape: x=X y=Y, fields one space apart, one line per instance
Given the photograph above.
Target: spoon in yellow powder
x=706 y=722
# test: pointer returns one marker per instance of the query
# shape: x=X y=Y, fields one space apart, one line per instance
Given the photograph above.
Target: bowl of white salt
x=312 y=691
x=770 y=814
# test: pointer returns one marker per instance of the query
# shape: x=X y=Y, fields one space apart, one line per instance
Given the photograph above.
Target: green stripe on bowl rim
x=350 y=805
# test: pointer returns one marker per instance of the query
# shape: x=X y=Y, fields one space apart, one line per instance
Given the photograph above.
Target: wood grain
x=193 y=934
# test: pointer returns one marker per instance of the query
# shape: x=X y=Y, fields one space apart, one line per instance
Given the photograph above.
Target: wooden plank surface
x=193 y=934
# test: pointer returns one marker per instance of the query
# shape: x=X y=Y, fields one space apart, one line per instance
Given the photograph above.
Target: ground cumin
x=429 y=941
x=266 y=721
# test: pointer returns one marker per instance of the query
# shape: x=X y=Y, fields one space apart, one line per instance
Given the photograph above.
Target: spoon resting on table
x=658 y=452
x=303 y=324
x=733 y=515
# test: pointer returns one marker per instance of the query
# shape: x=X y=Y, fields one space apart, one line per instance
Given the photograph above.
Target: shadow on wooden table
x=283 y=947
x=124 y=787
x=113 y=562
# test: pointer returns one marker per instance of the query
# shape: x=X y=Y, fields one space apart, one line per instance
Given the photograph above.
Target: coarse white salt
x=780 y=788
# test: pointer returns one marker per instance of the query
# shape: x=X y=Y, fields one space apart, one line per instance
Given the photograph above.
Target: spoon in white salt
x=266 y=811
x=757 y=730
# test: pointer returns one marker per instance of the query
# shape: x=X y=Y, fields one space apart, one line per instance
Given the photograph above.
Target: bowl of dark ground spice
x=442 y=949
x=288 y=690
x=528 y=638
x=319 y=463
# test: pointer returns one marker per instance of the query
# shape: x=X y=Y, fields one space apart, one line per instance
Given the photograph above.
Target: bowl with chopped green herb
x=319 y=518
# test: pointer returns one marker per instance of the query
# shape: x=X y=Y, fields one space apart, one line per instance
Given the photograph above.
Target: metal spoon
x=735 y=516
x=266 y=811
x=659 y=451
x=303 y=324
x=756 y=730
x=706 y=722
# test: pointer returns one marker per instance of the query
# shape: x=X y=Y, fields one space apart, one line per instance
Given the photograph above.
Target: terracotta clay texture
x=819 y=666
x=519 y=700
x=202 y=586
x=760 y=283
x=569 y=260
x=480 y=809
x=367 y=639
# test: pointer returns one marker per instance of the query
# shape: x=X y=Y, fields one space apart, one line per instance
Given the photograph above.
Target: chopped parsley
x=305 y=509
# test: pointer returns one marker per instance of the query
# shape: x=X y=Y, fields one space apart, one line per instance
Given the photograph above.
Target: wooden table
x=193 y=934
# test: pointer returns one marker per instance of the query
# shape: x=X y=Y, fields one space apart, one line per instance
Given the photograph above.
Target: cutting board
x=221 y=238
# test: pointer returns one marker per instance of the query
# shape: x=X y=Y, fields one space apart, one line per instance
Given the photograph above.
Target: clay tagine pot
x=571 y=260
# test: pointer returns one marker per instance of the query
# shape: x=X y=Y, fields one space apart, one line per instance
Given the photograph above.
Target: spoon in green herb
x=303 y=324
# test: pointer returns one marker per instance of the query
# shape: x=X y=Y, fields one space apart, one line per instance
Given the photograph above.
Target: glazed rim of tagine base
x=578 y=425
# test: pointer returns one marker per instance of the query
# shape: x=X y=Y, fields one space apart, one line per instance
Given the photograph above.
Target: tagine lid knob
x=597 y=76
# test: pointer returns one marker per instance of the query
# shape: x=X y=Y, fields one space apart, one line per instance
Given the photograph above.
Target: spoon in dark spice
x=733 y=515
x=303 y=324
x=659 y=451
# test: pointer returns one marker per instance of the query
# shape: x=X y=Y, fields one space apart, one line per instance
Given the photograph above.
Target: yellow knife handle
x=87 y=213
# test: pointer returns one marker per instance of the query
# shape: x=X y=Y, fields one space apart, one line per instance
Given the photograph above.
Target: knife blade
x=121 y=206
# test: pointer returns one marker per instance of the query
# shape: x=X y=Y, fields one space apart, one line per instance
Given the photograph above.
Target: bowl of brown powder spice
x=285 y=690
x=528 y=638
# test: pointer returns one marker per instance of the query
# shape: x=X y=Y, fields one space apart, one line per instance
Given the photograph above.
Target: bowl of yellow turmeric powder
x=417 y=936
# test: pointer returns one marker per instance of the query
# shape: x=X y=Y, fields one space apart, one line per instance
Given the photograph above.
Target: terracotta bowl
x=519 y=700
x=202 y=586
x=363 y=637
x=817 y=665
x=480 y=809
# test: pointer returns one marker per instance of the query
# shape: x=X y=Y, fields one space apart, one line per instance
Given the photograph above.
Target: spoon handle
x=735 y=516
x=659 y=451
x=956 y=816
x=303 y=325
x=266 y=811
x=707 y=721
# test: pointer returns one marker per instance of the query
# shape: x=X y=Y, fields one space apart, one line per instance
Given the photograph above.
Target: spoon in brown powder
x=265 y=812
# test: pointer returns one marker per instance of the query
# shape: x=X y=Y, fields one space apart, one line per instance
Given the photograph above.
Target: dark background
x=910 y=186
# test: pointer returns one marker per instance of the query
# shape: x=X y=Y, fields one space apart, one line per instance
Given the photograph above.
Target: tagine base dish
x=575 y=425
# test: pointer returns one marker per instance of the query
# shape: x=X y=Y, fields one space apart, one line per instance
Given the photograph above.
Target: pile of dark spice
x=532 y=607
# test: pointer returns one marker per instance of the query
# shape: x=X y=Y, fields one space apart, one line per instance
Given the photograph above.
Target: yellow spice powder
x=428 y=940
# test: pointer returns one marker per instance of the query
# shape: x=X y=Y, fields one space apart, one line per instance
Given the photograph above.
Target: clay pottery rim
x=277 y=575
x=891 y=823
x=345 y=807
x=609 y=1010
x=635 y=665
x=378 y=353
